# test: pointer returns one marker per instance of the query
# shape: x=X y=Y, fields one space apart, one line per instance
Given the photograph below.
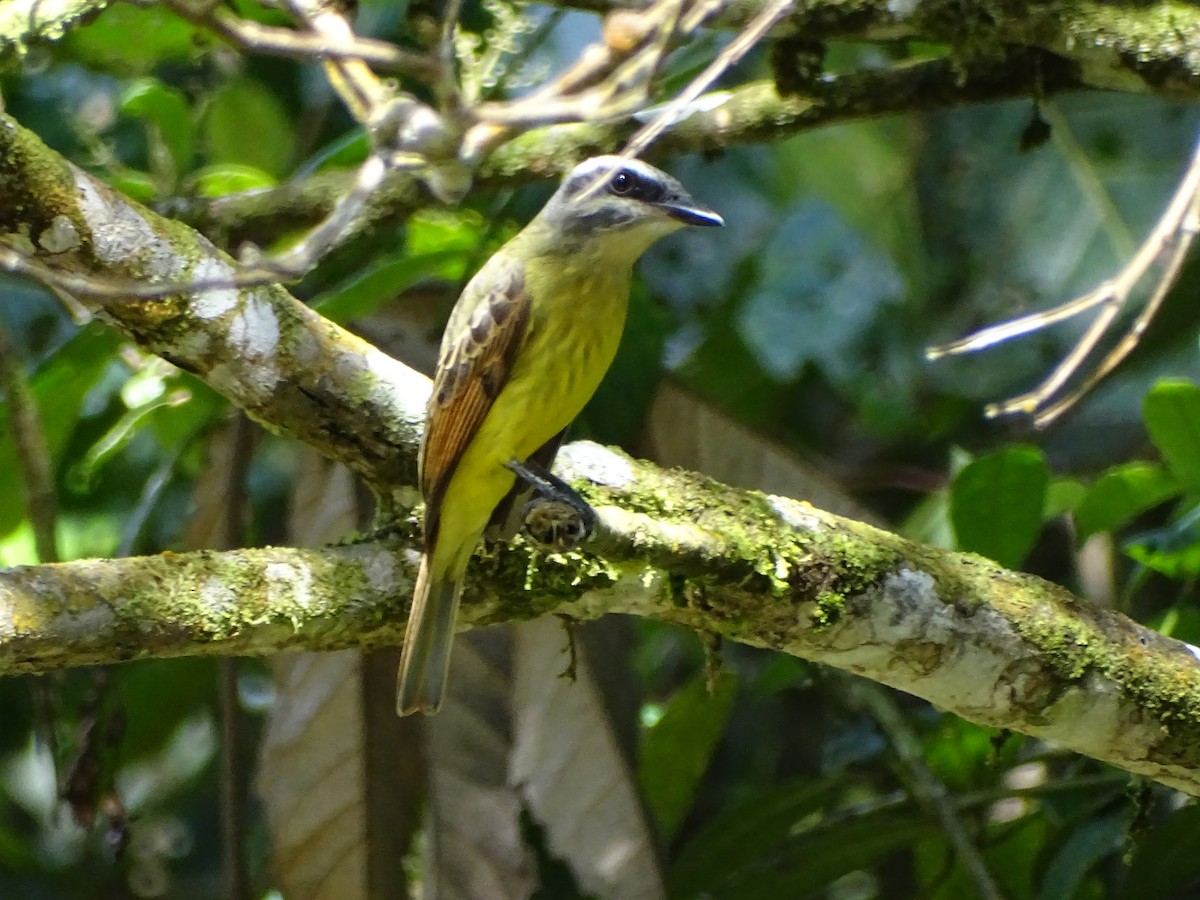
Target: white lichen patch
x=84 y=626
x=121 y=236
x=306 y=351
x=911 y=587
x=901 y=9
x=596 y=463
x=60 y=237
x=394 y=385
x=217 y=597
x=380 y=572
x=794 y=513
x=254 y=330
x=287 y=583
x=216 y=302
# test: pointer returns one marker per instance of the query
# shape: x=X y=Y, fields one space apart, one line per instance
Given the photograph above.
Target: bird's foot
x=557 y=518
x=555 y=524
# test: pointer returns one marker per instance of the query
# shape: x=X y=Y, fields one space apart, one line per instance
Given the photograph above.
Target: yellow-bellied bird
x=525 y=348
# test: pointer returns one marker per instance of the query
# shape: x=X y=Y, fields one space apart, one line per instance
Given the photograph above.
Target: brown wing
x=481 y=343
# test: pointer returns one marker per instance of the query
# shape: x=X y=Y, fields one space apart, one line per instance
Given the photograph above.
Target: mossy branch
x=286 y=366
x=994 y=646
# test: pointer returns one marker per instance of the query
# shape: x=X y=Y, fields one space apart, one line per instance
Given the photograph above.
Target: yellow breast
x=575 y=325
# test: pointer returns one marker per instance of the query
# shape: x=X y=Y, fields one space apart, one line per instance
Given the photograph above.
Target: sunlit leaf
x=1172 y=414
x=59 y=388
x=221 y=179
x=169 y=117
x=246 y=124
x=135 y=38
x=996 y=504
x=1062 y=496
x=1120 y=494
x=136 y=185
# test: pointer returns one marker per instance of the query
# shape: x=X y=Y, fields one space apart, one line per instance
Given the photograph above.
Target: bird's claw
x=558 y=524
x=557 y=518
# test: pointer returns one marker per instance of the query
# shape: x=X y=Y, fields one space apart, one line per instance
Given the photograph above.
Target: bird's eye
x=623 y=182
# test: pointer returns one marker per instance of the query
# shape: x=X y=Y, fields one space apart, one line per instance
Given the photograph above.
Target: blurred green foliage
x=848 y=250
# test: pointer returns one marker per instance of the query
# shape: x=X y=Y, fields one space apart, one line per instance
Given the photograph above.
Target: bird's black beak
x=689 y=212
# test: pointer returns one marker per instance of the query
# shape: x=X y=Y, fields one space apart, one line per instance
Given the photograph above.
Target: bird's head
x=622 y=205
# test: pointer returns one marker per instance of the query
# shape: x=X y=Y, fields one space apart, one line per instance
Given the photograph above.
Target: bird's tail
x=421 y=682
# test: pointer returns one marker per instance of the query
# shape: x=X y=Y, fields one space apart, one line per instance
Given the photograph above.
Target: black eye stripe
x=627 y=183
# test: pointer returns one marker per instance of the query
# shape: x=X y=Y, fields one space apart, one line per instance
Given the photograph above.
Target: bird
x=525 y=347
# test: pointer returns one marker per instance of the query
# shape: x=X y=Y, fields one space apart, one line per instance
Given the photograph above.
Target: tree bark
x=994 y=646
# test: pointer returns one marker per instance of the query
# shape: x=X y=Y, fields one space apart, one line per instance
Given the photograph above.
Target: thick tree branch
x=289 y=368
x=993 y=646
x=1146 y=47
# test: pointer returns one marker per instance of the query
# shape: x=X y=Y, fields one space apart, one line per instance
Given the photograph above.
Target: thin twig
x=273 y=41
x=925 y=787
x=33 y=451
x=233 y=771
x=746 y=39
x=41 y=505
x=1167 y=245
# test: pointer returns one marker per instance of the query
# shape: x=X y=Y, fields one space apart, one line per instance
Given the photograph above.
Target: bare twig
x=234 y=796
x=273 y=41
x=926 y=788
x=41 y=504
x=1167 y=245
x=33 y=452
x=747 y=38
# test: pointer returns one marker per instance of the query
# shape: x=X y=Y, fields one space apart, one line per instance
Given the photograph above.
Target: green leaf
x=1166 y=863
x=169 y=118
x=813 y=859
x=1120 y=494
x=1172 y=414
x=246 y=124
x=1173 y=550
x=81 y=475
x=381 y=284
x=996 y=504
x=59 y=388
x=135 y=185
x=1062 y=496
x=676 y=752
x=230 y=178
x=1181 y=621
x=135 y=39
x=929 y=521
x=747 y=831
x=1093 y=841
x=1009 y=849
x=345 y=152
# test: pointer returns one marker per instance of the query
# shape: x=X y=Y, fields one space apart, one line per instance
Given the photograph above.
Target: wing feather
x=481 y=343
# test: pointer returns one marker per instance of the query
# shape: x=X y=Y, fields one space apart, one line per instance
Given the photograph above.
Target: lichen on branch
x=994 y=646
